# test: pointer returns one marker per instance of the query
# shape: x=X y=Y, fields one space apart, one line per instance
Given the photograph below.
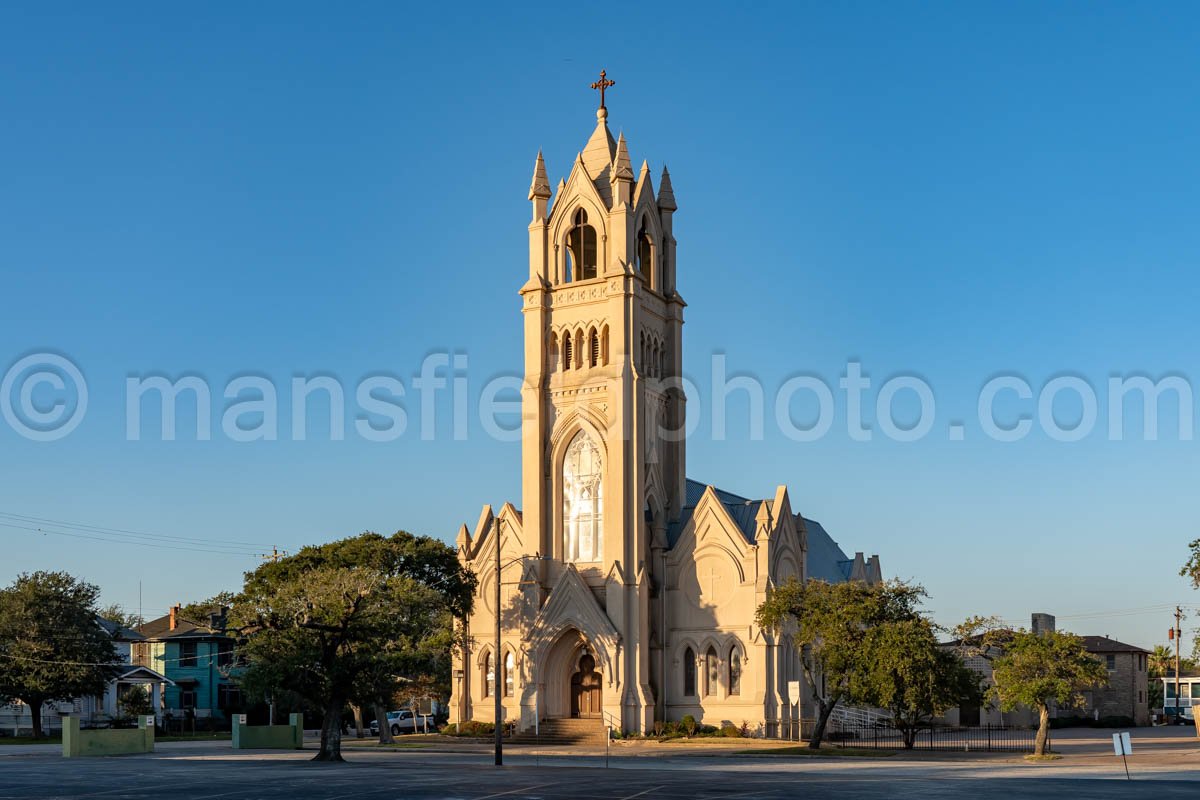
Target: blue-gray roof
x=740 y=508
x=826 y=560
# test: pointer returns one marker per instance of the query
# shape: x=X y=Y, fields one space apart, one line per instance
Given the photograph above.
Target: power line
x=111 y=540
x=197 y=659
x=26 y=518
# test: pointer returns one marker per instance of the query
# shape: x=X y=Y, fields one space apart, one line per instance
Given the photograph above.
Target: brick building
x=1125 y=695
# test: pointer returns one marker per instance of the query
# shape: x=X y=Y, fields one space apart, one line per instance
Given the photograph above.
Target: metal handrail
x=610 y=722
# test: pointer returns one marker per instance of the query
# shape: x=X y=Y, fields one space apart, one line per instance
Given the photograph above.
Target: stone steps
x=565 y=732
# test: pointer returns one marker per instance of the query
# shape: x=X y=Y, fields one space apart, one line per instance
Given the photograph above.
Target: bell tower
x=602 y=402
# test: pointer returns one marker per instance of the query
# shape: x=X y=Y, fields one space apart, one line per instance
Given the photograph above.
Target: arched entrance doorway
x=585 y=689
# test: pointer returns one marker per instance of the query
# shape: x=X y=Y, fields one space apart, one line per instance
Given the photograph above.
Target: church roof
x=826 y=560
x=598 y=155
x=740 y=508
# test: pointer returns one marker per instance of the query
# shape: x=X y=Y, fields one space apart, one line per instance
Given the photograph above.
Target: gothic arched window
x=509 y=668
x=689 y=673
x=645 y=256
x=712 y=673
x=735 y=670
x=595 y=350
x=581 y=249
x=583 y=500
x=489 y=675
x=567 y=351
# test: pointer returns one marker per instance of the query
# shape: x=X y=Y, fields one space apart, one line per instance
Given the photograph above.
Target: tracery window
x=583 y=501
x=645 y=254
x=712 y=673
x=509 y=668
x=581 y=249
x=735 y=670
x=489 y=676
x=689 y=673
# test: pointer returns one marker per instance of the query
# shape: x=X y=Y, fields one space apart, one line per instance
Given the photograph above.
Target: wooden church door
x=585 y=689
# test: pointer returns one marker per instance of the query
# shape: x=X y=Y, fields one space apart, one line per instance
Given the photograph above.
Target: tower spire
x=540 y=186
x=666 y=195
x=622 y=166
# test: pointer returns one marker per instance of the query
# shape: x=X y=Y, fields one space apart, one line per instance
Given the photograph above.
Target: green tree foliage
x=1161 y=664
x=329 y=621
x=116 y=613
x=134 y=702
x=198 y=612
x=828 y=624
x=52 y=648
x=911 y=676
x=1037 y=668
x=1191 y=569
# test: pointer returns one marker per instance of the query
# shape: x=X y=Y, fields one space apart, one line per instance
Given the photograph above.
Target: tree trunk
x=910 y=737
x=1039 y=744
x=331 y=733
x=826 y=708
x=35 y=714
x=385 y=727
x=358 y=720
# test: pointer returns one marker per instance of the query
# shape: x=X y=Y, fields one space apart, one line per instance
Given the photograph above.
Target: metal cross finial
x=603 y=84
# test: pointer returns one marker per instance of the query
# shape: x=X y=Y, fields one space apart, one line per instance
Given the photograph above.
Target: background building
x=198 y=661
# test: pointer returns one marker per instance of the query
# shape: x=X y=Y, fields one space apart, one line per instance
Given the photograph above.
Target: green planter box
x=268 y=737
x=77 y=743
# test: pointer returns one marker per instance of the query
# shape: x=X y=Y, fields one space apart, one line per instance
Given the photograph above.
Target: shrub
x=470 y=728
x=659 y=727
x=1115 y=721
x=731 y=731
x=688 y=723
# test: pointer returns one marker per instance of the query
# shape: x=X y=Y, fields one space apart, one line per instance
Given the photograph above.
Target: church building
x=627 y=592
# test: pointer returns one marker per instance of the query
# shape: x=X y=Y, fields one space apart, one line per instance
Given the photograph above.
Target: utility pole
x=1178 y=636
x=274 y=555
x=496 y=659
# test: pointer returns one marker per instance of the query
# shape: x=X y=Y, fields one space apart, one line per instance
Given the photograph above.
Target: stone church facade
x=627 y=591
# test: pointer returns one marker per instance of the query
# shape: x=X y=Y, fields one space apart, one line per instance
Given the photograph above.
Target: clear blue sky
x=944 y=190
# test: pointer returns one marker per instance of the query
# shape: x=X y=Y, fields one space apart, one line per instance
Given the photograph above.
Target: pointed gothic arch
x=689 y=672
x=733 y=668
x=593 y=347
x=582 y=248
x=647 y=252
x=582 y=482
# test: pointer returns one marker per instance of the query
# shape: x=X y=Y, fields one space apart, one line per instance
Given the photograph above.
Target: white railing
x=857 y=716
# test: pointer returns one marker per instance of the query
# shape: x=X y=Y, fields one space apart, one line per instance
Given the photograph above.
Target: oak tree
x=52 y=645
x=327 y=621
x=828 y=624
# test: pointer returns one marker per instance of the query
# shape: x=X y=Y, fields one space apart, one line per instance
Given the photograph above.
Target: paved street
x=1164 y=768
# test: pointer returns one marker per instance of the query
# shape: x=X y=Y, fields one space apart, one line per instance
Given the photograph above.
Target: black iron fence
x=884 y=736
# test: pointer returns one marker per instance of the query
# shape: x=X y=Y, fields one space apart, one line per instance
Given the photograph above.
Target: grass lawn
x=218 y=736
x=397 y=745
x=824 y=752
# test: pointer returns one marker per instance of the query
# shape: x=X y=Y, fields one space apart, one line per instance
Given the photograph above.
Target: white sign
x=1121 y=744
x=794 y=691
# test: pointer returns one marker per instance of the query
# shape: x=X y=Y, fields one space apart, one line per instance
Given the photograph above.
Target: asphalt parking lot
x=208 y=772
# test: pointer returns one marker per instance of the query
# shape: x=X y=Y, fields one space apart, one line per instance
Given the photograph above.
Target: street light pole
x=498 y=660
x=1178 y=636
